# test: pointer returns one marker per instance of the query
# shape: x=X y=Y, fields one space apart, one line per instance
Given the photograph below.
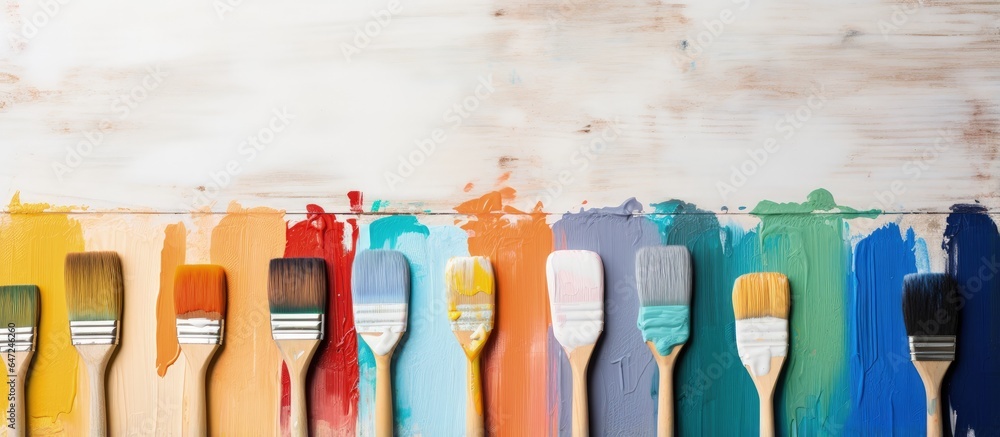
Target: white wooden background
x=136 y=104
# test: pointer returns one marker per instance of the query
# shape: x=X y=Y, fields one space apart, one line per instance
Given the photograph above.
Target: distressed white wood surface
x=157 y=97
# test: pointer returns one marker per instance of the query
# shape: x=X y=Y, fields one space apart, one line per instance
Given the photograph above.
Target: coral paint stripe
x=244 y=382
x=333 y=386
x=172 y=255
x=515 y=366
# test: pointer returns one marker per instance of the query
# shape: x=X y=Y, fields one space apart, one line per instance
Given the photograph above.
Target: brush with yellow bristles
x=200 y=306
x=94 y=300
x=760 y=303
x=471 y=297
x=19 y=313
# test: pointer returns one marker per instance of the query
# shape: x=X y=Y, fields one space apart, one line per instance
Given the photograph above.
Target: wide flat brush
x=380 y=292
x=663 y=278
x=930 y=313
x=471 y=297
x=760 y=304
x=576 y=301
x=200 y=306
x=94 y=300
x=19 y=313
x=296 y=293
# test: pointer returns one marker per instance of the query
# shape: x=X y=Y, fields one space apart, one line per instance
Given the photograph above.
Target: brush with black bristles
x=296 y=292
x=930 y=313
x=19 y=313
x=663 y=277
x=200 y=307
x=380 y=291
x=94 y=295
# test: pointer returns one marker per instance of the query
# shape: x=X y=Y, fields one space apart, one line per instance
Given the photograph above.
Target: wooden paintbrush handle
x=297 y=355
x=97 y=357
x=932 y=373
x=19 y=428
x=579 y=358
x=475 y=424
x=766 y=413
x=665 y=401
x=198 y=356
x=383 y=395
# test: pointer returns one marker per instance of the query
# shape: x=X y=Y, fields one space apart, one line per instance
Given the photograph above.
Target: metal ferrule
x=932 y=347
x=94 y=331
x=21 y=339
x=472 y=317
x=380 y=317
x=199 y=331
x=307 y=326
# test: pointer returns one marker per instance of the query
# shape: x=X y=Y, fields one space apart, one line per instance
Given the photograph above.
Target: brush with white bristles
x=296 y=294
x=471 y=295
x=760 y=304
x=663 y=278
x=576 y=299
x=94 y=295
x=19 y=313
x=380 y=291
x=930 y=314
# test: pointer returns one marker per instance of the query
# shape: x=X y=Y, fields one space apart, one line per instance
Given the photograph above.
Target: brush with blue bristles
x=296 y=293
x=380 y=291
x=19 y=313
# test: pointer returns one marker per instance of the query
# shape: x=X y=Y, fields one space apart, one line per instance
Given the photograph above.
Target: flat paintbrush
x=200 y=306
x=471 y=295
x=19 y=313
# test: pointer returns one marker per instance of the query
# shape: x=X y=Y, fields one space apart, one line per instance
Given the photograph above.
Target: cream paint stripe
x=135 y=403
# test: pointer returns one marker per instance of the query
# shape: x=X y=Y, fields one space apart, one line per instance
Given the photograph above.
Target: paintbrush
x=200 y=306
x=760 y=303
x=296 y=293
x=930 y=313
x=576 y=300
x=663 y=277
x=94 y=294
x=380 y=290
x=19 y=313
x=471 y=295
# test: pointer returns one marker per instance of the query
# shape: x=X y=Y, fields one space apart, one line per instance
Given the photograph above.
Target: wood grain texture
x=150 y=106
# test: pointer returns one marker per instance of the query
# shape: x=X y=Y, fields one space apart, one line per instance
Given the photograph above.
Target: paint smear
x=429 y=367
x=621 y=367
x=515 y=359
x=972 y=241
x=33 y=250
x=171 y=256
x=713 y=392
x=244 y=386
x=808 y=243
x=887 y=396
x=333 y=385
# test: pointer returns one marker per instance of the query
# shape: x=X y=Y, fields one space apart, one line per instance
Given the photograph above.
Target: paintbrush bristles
x=470 y=281
x=19 y=305
x=200 y=292
x=297 y=285
x=761 y=295
x=380 y=276
x=94 y=287
x=663 y=275
x=575 y=276
x=930 y=304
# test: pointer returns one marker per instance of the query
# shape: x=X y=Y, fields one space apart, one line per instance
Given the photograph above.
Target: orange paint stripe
x=172 y=255
x=515 y=358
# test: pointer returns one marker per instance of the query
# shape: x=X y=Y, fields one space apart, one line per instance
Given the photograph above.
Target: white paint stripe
x=759 y=339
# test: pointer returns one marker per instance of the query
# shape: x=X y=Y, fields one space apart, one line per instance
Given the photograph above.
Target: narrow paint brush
x=19 y=313
x=380 y=291
x=663 y=278
x=930 y=313
x=94 y=295
x=760 y=304
x=200 y=306
x=296 y=293
x=576 y=300
x=471 y=295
